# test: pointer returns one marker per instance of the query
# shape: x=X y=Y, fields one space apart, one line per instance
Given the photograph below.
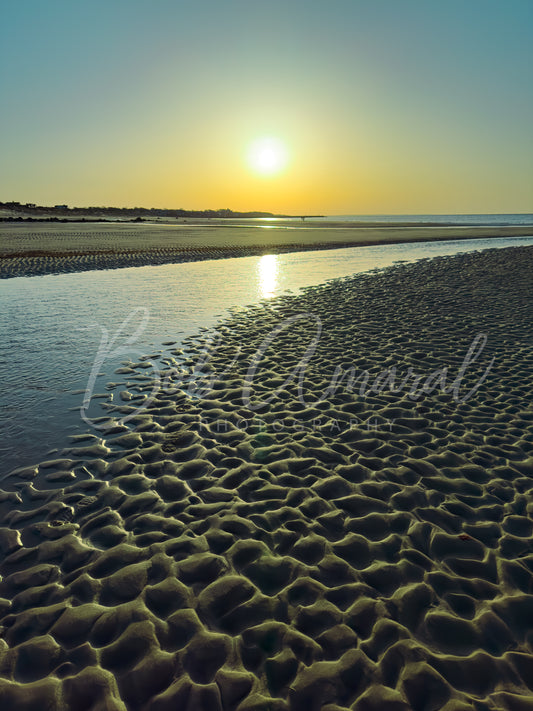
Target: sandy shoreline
x=30 y=250
x=325 y=550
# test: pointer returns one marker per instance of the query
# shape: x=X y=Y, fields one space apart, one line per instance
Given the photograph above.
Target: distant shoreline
x=15 y=212
x=249 y=222
x=30 y=211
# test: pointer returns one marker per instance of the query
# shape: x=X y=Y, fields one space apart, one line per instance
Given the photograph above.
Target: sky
x=379 y=106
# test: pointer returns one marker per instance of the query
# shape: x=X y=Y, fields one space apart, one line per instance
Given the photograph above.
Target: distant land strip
x=33 y=211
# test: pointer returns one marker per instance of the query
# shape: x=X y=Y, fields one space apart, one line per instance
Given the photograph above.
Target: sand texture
x=33 y=249
x=365 y=549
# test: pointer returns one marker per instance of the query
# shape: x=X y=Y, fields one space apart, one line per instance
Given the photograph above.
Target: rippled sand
x=367 y=551
x=32 y=249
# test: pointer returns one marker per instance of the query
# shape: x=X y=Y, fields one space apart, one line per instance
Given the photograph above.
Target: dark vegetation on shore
x=62 y=213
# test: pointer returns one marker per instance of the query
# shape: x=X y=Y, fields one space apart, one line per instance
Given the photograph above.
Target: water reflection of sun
x=267 y=276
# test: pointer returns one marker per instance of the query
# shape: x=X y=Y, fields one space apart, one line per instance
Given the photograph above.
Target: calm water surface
x=489 y=220
x=52 y=326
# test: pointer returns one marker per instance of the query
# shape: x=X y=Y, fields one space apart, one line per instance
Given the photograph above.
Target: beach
x=324 y=503
x=30 y=249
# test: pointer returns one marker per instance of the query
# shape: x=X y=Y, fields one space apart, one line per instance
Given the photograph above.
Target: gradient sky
x=385 y=106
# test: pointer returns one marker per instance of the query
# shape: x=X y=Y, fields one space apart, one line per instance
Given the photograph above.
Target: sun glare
x=267 y=156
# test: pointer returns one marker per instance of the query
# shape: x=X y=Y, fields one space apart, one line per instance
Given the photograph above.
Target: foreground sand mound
x=366 y=549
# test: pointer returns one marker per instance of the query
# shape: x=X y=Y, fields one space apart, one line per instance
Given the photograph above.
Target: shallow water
x=52 y=326
x=481 y=219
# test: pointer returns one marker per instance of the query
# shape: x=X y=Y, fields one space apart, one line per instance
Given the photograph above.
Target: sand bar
x=34 y=248
x=236 y=548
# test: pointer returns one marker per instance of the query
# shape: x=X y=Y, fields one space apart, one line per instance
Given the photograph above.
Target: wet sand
x=367 y=549
x=38 y=248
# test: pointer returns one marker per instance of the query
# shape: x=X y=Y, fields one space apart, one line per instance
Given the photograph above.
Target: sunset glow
x=304 y=107
x=267 y=156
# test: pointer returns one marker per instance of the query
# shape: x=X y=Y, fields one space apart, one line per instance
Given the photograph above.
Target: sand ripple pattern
x=179 y=564
x=46 y=263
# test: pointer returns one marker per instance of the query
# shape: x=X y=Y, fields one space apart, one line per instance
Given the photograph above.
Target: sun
x=267 y=156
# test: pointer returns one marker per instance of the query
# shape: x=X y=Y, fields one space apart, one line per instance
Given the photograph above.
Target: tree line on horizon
x=64 y=210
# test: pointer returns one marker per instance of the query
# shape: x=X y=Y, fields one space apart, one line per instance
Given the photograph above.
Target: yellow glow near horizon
x=267 y=156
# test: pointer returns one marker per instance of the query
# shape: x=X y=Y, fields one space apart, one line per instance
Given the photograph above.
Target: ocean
x=469 y=220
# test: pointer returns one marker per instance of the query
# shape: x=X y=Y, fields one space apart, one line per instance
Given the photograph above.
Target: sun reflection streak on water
x=267 y=275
